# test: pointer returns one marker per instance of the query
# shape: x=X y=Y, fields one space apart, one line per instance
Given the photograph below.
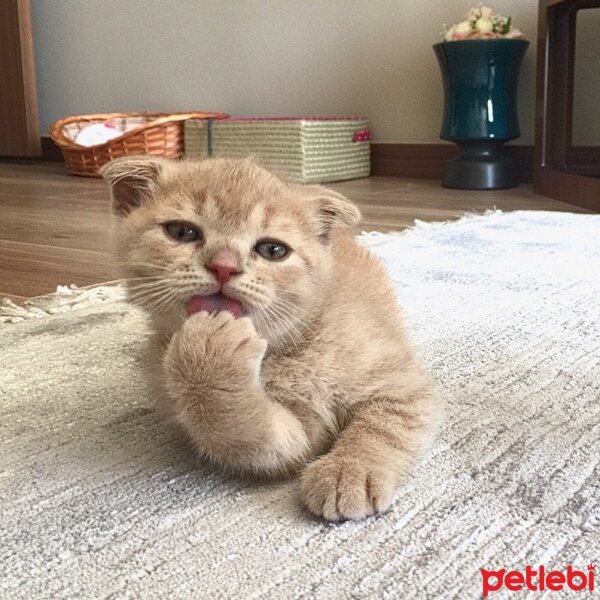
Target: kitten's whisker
x=143 y=263
x=147 y=288
x=299 y=315
x=281 y=308
x=142 y=289
x=163 y=301
x=155 y=283
x=295 y=323
x=144 y=278
x=156 y=266
x=269 y=324
x=158 y=305
x=280 y=318
x=170 y=299
x=148 y=295
x=151 y=284
x=285 y=303
x=293 y=336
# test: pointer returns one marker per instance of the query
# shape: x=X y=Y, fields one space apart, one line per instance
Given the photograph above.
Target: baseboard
x=421 y=161
x=427 y=161
x=50 y=151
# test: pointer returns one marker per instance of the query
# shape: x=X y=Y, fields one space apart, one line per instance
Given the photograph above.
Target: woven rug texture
x=100 y=498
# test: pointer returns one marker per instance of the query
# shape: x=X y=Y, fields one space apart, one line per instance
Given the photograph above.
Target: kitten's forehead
x=232 y=216
x=235 y=195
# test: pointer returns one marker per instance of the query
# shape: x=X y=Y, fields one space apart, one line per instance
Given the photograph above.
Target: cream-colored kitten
x=279 y=343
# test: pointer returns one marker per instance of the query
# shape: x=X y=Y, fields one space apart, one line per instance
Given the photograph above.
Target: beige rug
x=100 y=499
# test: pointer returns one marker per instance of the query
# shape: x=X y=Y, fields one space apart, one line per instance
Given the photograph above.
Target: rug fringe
x=418 y=224
x=65 y=298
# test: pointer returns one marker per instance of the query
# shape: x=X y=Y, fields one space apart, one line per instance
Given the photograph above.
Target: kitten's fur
x=319 y=376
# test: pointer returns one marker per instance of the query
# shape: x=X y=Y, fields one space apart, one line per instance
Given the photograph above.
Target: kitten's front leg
x=359 y=476
x=213 y=377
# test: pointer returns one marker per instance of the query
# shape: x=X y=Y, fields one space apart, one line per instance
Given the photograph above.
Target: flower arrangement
x=482 y=23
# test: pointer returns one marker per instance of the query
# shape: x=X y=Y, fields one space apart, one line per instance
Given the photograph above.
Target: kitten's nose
x=224 y=266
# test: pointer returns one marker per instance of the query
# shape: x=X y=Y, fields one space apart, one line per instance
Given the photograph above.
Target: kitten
x=278 y=341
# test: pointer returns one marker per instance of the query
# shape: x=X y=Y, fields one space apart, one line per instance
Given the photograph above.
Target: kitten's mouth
x=214 y=303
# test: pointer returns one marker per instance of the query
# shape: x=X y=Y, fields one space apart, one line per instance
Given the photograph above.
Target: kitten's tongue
x=213 y=303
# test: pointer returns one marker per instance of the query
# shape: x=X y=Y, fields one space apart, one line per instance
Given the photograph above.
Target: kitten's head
x=224 y=233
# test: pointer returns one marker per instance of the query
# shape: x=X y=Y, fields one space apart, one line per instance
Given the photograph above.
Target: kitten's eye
x=272 y=250
x=182 y=232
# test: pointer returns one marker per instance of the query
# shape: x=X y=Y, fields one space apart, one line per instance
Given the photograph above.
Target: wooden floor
x=54 y=228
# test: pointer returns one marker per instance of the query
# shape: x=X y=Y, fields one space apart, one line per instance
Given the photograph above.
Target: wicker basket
x=159 y=134
x=307 y=149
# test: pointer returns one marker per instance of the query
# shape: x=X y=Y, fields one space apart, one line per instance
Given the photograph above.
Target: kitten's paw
x=217 y=345
x=339 y=487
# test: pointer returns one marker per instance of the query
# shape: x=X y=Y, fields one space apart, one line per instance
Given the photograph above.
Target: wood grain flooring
x=54 y=228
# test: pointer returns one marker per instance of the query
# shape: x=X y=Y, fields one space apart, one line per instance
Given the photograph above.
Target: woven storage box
x=311 y=149
x=159 y=134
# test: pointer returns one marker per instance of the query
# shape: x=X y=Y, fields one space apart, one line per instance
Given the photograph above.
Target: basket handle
x=179 y=117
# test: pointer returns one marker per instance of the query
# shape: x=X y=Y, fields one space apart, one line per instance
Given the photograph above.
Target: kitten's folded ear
x=132 y=180
x=333 y=209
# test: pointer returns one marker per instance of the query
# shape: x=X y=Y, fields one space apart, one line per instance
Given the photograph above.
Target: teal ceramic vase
x=480 y=110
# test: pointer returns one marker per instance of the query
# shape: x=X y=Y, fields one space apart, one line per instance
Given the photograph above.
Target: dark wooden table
x=556 y=172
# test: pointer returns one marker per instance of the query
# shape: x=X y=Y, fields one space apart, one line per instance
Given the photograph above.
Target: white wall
x=367 y=57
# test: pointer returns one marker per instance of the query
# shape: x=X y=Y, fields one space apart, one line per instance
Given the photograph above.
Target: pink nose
x=224 y=267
